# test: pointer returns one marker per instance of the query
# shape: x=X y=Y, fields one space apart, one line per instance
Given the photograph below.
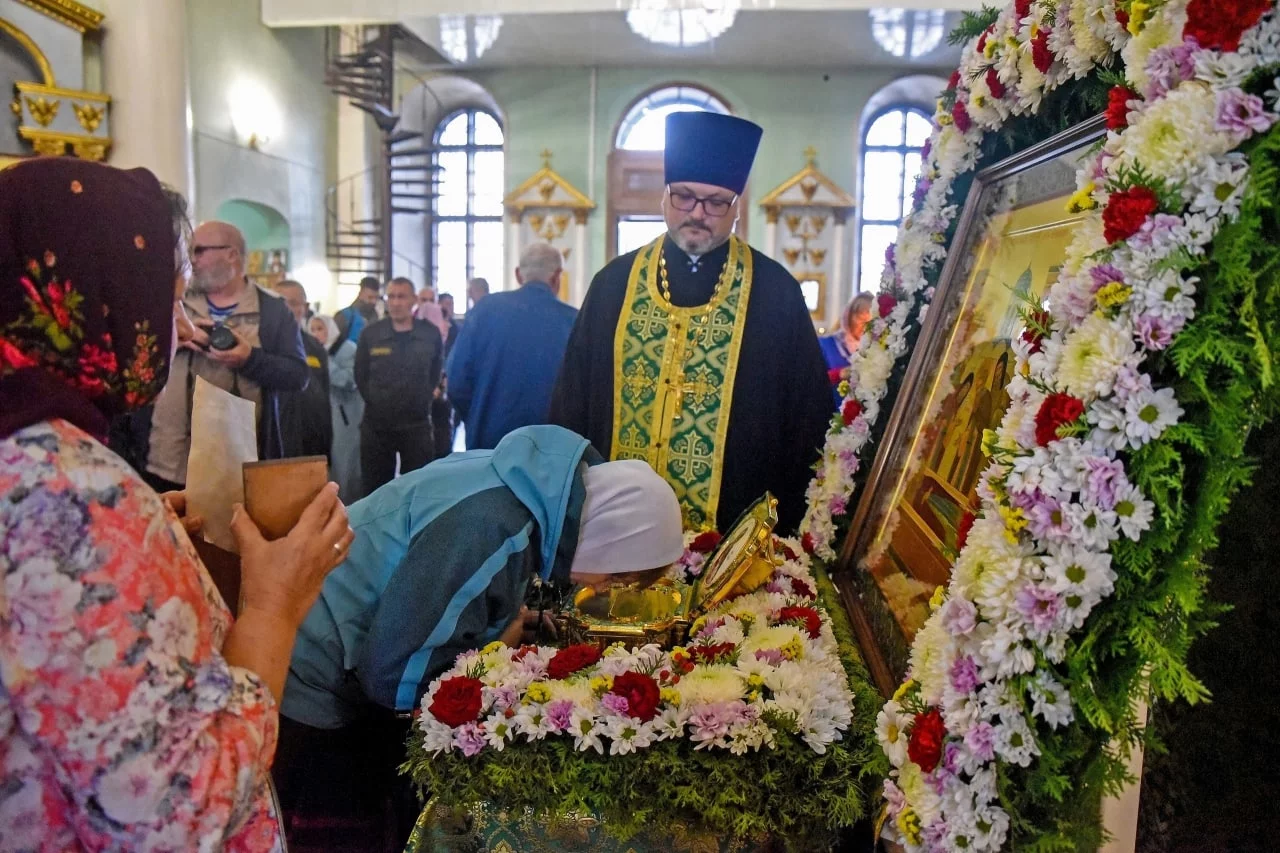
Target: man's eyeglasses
x=197 y=251
x=713 y=206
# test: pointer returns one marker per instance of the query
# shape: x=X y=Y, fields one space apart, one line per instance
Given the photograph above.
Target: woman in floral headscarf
x=133 y=715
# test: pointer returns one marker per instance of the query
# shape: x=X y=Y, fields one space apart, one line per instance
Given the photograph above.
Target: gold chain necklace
x=696 y=328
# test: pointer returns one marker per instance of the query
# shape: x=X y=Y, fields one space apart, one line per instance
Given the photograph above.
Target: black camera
x=221 y=338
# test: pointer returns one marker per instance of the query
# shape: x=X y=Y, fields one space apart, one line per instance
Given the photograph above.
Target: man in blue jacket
x=504 y=365
x=440 y=565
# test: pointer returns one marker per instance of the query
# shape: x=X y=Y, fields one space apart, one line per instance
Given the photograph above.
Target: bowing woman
x=133 y=714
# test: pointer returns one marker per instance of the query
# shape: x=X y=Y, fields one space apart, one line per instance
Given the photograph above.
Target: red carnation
x=807 y=616
x=14 y=357
x=711 y=653
x=1056 y=411
x=836 y=375
x=1218 y=25
x=1118 y=107
x=954 y=80
x=806 y=542
x=982 y=40
x=457 y=701
x=993 y=83
x=786 y=551
x=802 y=589
x=962 y=532
x=1126 y=211
x=705 y=543
x=850 y=411
x=886 y=303
x=924 y=746
x=1021 y=8
x=523 y=652
x=960 y=115
x=1032 y=334
x=1041 y=56
x=1122 y=18
x=641 y=692
x=570 y=659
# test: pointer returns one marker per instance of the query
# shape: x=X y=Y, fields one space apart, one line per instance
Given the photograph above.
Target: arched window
x=890 y=165
x=466 y=225
x=635 y=166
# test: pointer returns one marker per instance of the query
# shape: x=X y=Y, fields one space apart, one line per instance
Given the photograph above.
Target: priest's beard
x=211 y=279
x=694 y=237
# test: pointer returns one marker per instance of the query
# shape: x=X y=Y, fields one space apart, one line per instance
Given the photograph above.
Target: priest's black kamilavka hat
x=710 y=148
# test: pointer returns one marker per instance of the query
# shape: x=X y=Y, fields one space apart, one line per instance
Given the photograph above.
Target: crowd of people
x=135 y=712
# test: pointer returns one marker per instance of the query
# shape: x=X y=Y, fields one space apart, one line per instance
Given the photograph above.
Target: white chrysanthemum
x=1084 y=577
x=438 y=737
x=1087 y=25
x=1092 y=527
x=710 y=684
x=1093 y=355
x=1086 y=240
x=498 y=730
x=532 y=722
x=1163 y=28
x=931 y=656
x=1168 y=295
x=1173 y=137
x=1015 y=743
x=1149 y=413
x=1133 y=511
x=920 y=793
x=578 y=692
x=1223 y=70
x=586 y=731
x=1003 y=652
x=1050 y=700
x=627 y=734
x=890 y=731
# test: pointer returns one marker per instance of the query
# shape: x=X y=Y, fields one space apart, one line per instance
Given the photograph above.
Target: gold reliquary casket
x=664 y=612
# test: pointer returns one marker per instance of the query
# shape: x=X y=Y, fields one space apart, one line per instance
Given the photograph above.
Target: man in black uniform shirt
x=398 y=364
x=696 y=353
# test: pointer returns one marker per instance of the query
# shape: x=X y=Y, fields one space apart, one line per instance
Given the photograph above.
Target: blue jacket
x=504 y=365
x=440 y=564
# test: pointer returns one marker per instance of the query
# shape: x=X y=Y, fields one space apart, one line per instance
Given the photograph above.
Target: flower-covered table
x=757 y=731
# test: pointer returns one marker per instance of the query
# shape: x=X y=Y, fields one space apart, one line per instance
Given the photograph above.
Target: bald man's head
x=217 y=258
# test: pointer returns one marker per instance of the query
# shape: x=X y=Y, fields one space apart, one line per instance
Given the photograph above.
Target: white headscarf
x=630 y=520
x=330 y=326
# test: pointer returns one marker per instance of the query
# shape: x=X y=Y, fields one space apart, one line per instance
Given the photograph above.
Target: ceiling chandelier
x=681 y=23
x=907 y=32
x=463 y=37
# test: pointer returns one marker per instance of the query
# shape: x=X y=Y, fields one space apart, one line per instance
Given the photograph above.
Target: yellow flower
x=1014 y=522
x=989 y=49
x=492 y=647
x=843 y=387
x=1082 y=200
x=1034 y=32
x=538 y=692
x=1139 y=14
x=601 y=684
x=909 y=825
x=1113 y=294
x=939 y=596
x=753 y=696
x=990 y=438
x=904 y=689
x=755 y=681
x=670 y=695
x=792 y=649
x=979 y=101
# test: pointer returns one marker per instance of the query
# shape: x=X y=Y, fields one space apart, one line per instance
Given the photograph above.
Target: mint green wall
x=549 y=108
x=263 y=227
x=227 y=42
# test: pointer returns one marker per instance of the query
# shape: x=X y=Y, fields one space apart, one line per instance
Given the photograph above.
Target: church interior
x=757 y=425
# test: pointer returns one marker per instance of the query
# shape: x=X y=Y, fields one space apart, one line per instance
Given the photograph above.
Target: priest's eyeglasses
x=712 y=206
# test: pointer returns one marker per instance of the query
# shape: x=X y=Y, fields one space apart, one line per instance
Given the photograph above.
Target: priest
x=696 y=353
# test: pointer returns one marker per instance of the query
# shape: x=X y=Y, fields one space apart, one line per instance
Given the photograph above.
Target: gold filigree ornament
x=89 y=116
x=535 y=222
x=793 y=222
x=546 y=189
x=42 y=109
x=16 y=106
x=791 y=256
x=818 y=256
x=819 y=224
x=809 y=188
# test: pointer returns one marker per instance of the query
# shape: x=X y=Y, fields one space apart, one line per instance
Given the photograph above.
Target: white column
x=512 y=252
x=144 y=69
x=836 y=288
x=771 y=233
x=578 y=287
x=1120 y=813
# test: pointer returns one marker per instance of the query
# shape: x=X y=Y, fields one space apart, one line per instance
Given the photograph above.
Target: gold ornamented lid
x=749 y=540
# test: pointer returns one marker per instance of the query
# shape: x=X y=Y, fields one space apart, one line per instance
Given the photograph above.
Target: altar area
x=1008 y=540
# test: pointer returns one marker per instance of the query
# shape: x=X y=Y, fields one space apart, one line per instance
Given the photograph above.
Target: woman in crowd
x=838 y=347
x=442 y=561
x=441 y=411
x=346 y=403
x=133 y=714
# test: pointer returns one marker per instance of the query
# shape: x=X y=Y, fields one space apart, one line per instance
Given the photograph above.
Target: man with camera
x=245 y=342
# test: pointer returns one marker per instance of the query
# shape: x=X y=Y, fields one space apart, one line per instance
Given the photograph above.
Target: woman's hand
x=283 y=578
x=177 y=501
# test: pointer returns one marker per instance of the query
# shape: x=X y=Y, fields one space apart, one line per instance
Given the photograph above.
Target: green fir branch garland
x=789 y=794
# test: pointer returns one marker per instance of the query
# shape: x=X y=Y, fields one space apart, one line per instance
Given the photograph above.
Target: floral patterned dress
x=121 y=725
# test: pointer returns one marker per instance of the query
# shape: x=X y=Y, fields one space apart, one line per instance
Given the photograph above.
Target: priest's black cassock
x=781 y=403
